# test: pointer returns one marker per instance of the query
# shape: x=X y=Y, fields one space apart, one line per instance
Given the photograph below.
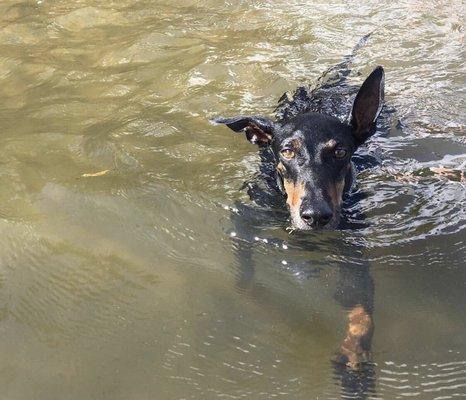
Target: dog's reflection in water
x=354 y=291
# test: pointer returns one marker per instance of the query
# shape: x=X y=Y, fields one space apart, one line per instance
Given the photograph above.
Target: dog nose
x=317 y=217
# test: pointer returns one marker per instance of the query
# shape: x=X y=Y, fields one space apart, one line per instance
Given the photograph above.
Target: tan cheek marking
x=336 y=193
x=280 y=168
x=295 y=193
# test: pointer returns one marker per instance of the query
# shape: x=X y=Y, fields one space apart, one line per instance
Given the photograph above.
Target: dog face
x=313 y=153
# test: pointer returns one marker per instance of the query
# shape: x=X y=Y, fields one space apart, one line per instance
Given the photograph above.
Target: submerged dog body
x=312 y=150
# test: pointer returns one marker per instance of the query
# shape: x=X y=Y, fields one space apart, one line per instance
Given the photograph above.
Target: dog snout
x=316 y=216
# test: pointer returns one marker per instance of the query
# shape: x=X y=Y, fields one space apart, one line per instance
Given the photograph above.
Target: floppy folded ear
x=259 y=130
x=367 y=105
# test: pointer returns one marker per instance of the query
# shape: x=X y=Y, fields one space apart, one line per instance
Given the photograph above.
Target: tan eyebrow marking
x=331 y=144
x=296 y=144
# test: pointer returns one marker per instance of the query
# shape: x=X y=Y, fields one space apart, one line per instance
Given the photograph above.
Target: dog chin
x=300 y=225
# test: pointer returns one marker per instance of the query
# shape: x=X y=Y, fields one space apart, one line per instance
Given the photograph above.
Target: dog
x=309 y=163
x=312 y=152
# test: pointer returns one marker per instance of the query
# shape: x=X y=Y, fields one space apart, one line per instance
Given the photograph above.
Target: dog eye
x=340 y=153
x=287 y=154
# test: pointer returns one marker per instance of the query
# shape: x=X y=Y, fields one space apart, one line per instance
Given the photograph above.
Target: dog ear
x=367 y=105
x=259 y=130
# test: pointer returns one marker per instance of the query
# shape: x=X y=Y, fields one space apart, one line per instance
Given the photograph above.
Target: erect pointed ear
x=259 y=130
x=367 y=105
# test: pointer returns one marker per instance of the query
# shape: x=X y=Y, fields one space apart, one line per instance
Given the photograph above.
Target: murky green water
x=124 y=285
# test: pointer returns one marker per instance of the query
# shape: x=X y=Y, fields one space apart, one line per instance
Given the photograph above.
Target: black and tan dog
x=313 y=150
x=309 y=162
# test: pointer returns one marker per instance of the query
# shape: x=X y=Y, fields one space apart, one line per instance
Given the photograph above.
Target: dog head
x=313 y=153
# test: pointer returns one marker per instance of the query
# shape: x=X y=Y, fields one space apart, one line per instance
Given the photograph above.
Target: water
x=120 y=277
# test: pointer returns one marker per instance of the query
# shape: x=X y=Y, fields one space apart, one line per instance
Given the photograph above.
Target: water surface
x=118 y=199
